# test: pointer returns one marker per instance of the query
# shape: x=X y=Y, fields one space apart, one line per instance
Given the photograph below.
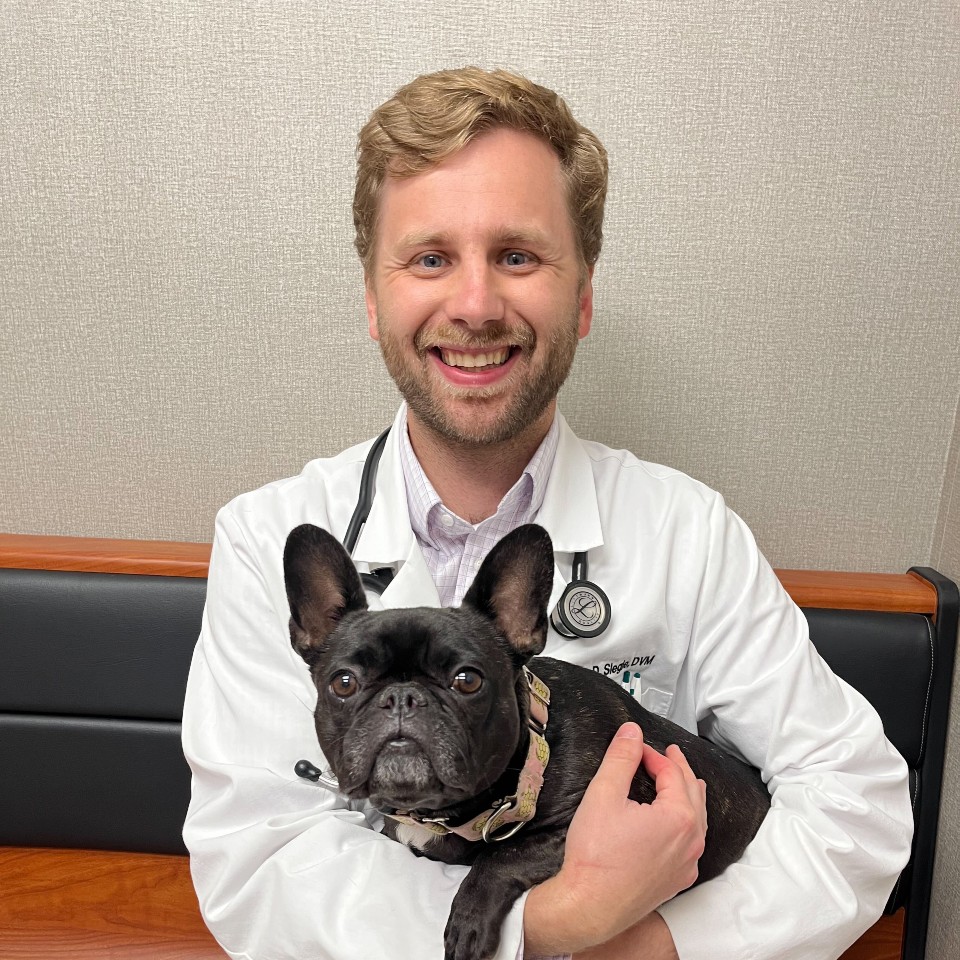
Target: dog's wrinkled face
x=405 y=698
x=417 y=709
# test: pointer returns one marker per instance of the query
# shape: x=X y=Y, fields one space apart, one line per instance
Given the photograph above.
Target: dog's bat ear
x=322 y=585
x=513 y=587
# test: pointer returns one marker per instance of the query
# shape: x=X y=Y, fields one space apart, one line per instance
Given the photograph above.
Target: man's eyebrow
x=423 y=238
x=507 y=236
x=520 y=236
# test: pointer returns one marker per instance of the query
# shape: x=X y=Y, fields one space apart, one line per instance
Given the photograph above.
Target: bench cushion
x=97 y=644
x=875 y=651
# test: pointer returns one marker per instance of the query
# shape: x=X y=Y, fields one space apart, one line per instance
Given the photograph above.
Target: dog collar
x=506 y=816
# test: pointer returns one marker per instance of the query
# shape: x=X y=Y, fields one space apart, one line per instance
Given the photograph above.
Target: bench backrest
x=95 y=665
x=91 y=697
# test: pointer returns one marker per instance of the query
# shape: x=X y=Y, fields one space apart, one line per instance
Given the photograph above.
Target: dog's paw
x=489 y=891
x=470 y=938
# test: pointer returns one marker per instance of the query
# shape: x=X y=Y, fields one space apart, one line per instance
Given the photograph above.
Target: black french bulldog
x=428 y=711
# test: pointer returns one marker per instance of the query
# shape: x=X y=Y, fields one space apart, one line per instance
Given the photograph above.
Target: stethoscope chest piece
x=583 y=609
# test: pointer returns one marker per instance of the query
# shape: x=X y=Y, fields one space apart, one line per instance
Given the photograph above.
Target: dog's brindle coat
x=401 y=724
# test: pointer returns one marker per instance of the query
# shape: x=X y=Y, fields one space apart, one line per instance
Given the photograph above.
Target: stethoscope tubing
x=365 y=498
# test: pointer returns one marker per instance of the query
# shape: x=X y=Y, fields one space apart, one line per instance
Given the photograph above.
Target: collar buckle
x=490 y=833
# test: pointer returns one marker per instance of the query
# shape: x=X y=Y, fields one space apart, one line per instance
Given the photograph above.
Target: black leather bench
x=91 y=697
x=95 y=665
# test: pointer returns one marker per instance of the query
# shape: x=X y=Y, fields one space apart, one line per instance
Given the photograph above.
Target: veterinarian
x=478 y=211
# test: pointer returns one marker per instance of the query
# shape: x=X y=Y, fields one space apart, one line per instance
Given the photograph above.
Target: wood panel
x=98 y=905
x=809 y=588
x=881 y=942
x=156 y=557
x=892 y=592
x=89 y=904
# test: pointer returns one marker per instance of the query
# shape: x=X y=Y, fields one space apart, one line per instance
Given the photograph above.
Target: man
x=478 y=209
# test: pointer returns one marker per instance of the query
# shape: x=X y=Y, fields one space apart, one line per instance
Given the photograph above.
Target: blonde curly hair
x=437 y=114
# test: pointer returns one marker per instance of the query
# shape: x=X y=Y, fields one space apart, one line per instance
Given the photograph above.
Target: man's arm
x=622 y=858
x=838 y=831
x=649 y=939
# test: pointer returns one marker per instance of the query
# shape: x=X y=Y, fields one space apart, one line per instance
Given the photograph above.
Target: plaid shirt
x=454 y=548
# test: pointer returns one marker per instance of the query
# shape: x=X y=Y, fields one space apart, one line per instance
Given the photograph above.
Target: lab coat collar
x=387 y=535
x=570 y=512
x=387 y=538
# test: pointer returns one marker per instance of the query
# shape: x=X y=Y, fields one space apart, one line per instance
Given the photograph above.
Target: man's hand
x=622 y=858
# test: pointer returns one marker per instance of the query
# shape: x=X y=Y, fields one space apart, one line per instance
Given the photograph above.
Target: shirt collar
x=525 y=497
x=569 y=510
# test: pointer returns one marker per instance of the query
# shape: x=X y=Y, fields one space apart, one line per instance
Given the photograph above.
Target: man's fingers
x=672 y=759
x=675 y=779
x=620 y=762
x=673 y=775
x=677 y=756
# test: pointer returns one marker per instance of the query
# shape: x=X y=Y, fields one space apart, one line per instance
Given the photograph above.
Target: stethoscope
x=583 y=609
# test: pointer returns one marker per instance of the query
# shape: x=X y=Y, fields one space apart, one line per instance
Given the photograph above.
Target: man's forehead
x=507 y=182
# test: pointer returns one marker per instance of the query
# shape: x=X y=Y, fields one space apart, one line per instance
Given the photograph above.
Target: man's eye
x=344 y=685
x=432 y=261
x=516 y=259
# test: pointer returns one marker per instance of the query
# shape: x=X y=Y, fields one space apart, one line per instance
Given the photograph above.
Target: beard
x=480 y=416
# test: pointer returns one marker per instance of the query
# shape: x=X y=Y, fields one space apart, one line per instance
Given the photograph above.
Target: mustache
x=497 y=335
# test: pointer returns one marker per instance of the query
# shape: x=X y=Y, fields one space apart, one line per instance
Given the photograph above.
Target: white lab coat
x=286 y=869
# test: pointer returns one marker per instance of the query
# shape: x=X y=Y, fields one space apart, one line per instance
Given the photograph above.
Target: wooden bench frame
x=78 y=904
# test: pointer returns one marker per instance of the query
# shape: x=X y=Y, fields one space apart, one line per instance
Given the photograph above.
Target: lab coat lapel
x=570 y=512
x=387 y=538
x=412 y=586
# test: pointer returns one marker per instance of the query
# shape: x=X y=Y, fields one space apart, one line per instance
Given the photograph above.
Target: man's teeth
x=453 y=358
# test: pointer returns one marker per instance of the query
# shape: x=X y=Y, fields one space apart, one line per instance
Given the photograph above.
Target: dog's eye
x=467 y=681
x=345 y=685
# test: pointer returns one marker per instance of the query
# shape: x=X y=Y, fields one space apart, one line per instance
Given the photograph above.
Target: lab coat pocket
x=655 y=700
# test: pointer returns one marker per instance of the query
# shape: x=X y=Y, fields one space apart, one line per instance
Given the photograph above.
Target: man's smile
x=474 y=368
x=458 y=358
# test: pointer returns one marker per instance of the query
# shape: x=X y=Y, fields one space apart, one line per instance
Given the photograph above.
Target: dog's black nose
x=402 y=699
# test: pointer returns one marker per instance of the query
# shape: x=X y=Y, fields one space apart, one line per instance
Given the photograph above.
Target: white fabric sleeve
x=838 y=832
x=284 y=868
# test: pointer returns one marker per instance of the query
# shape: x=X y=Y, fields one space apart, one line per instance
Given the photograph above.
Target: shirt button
x=446 y=520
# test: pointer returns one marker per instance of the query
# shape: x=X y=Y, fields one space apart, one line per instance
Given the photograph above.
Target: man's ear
x=513 y=588
x=370 y=296
x=322 y=585
x=585 y=316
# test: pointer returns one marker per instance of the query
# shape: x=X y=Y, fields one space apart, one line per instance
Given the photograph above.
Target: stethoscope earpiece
x=583 y=609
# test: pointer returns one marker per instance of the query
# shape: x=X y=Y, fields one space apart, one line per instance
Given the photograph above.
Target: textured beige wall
x=945 y=555
x=776 y=305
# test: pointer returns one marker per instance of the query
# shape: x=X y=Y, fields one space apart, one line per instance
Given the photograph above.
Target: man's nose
x=475 y=296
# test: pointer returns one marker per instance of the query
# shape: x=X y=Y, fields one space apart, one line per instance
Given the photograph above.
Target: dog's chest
x=417 y=836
